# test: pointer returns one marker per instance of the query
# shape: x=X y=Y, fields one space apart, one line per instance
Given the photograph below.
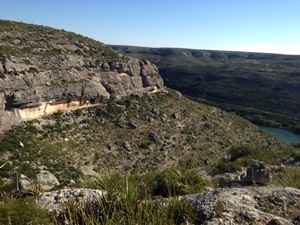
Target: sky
x=271 y=26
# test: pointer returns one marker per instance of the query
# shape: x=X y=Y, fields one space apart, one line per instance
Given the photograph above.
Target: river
x=285 y=135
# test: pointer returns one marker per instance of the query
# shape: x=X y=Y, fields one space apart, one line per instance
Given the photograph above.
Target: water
x=284 y=135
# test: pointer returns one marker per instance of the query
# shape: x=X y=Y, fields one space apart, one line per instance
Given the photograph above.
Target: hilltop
x=264 y=88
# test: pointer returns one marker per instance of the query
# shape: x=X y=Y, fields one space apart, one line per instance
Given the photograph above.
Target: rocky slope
x=43 y=70
x=97 y=111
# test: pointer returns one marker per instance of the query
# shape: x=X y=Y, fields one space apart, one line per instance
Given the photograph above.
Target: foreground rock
x=235 y=206
x=250 y=205
x=56 y=201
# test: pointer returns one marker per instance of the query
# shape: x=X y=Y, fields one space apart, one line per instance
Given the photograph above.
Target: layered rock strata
x=50 y=70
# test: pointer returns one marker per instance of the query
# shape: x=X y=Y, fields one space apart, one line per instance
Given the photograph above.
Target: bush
x=174 y=182
x=19 y=211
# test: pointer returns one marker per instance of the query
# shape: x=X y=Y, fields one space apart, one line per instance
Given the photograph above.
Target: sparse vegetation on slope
x=131 y=135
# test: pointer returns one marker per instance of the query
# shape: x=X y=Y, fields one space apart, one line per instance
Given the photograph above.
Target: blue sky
x=245 y=25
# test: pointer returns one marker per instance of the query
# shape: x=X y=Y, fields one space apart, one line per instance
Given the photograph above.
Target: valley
x=263 y=88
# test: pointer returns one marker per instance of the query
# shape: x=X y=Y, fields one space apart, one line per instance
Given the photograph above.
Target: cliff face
x=43 y=70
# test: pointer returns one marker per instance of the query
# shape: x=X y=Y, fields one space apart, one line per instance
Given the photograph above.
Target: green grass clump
x=127 y=203
x=289 y=177
x=174 y=182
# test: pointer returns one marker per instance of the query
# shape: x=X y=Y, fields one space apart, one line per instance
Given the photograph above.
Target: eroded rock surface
x=250 y=205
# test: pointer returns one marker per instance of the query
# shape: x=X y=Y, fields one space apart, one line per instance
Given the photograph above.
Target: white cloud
x=281 y=49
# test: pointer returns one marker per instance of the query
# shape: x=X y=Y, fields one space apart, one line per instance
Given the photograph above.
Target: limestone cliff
x=43 y=70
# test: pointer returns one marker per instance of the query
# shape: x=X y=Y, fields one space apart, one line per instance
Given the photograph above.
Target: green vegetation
x=22 y=147
x=289 y=177
x=21 y=211
x=173 y=182
x=96 y=137
x=155 y=147
x=126 y=202
x=241 y=156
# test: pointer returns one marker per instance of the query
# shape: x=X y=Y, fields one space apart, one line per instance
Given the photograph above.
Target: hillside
x=135 y=134
x=90 y=135
x=131 y=122
x=264 y=88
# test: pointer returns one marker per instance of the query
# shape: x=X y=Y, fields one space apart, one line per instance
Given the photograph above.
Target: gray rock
x=248 y=205
x=57 y=200
x=257 y=173
x=155 y=110
x=132 y=125
x=176 y=115
x=25 y=184
x=153 y=137
x=127 y=146
x=47 y=180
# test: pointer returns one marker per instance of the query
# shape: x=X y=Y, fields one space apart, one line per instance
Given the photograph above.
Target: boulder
x=25 y=184
x=132 y=125
x=127 y=146
x=153 y=137
x=258 y=173
x=46 y=180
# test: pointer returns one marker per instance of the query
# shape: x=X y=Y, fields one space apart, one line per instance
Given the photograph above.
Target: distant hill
x=264 y=88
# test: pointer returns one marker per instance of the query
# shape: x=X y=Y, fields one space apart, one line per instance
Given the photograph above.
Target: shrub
x=33 y=70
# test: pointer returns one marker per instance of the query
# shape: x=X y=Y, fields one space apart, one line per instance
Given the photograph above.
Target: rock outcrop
x=57 y=200
x=258 y=173
x=43 y=70
x=250 y=205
